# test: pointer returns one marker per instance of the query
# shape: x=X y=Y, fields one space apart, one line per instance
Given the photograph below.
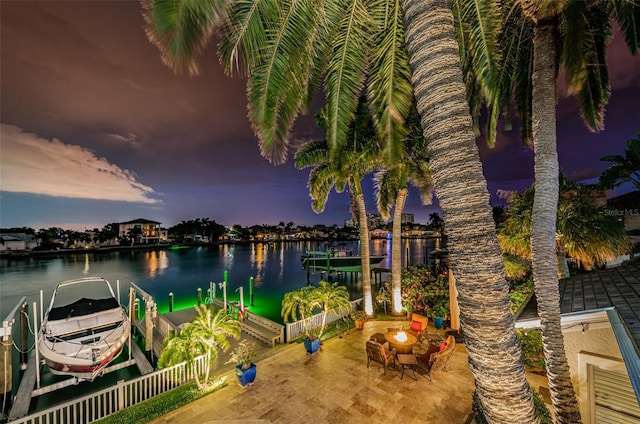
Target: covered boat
x=84 y=329
x=335 y=260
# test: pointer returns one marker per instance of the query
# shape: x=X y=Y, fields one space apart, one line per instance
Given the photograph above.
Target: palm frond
x=321 y=180
x=311 y=153
x=181 y=30
x=627 y=14
x=517 y=68
x=420 y=177
x=482 y=24
x=472 y=88
x=386 y=186
x=346 y=70
x=274 y=101
x=245 y=33
x=389 y=84
x=587 y=32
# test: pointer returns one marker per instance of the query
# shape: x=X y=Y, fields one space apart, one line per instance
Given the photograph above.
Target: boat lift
x=31 y=376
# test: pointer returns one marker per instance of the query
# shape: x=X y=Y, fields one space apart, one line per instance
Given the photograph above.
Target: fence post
x=120 y=386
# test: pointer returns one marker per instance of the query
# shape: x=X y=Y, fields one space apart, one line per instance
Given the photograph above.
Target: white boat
x=84 y=328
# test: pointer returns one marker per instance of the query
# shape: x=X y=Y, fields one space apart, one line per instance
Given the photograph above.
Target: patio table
x=401 y=346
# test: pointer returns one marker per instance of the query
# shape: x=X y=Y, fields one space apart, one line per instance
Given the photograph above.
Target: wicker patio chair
x=433 y=359
x=376 y=352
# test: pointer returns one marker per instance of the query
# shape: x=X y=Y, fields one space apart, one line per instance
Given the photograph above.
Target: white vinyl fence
x=296 y=329
x=116 y=398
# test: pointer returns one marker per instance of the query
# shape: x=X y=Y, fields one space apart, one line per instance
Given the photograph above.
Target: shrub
x=532 y=350
x=160 y=405
x=421 y=289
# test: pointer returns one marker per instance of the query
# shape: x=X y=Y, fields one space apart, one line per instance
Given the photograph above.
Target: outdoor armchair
x=418 y=325
x=376 y=352
x=435 y=357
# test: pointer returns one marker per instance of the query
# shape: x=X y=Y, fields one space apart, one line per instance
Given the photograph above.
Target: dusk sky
x=95 y=129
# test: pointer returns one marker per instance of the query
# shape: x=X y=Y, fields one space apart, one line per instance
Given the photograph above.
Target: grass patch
x=161 y=404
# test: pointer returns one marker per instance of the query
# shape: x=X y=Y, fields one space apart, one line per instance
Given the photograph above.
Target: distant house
x=143 y=231
x=16 y=242
x=600 y=319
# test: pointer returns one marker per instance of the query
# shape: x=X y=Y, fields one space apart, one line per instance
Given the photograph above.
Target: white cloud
x=30 y=164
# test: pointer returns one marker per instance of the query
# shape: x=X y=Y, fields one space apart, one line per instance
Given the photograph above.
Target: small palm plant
x=204 y=335
x=298 y=305
x=301 y=303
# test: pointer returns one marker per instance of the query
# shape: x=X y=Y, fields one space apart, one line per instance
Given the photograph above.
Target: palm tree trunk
x=487 y=324
x=364 y=250
x=396 y=252
x=543 y=223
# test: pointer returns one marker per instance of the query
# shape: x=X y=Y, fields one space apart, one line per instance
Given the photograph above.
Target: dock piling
x=24 y=336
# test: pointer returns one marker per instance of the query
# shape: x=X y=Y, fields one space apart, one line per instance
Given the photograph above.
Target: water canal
x=275 y=268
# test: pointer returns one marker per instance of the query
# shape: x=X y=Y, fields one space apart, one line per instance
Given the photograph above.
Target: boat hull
x=81 y=338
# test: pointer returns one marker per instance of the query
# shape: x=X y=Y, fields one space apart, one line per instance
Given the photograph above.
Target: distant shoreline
x=22 y=254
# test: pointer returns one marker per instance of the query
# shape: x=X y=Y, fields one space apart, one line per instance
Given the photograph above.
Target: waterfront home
x=143 y=231
x=16 y=242
x=600 y=318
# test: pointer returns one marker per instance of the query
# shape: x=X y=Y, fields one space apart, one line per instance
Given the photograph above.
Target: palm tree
x=332 y=298
x=625 y=169
x=301 y=304
x=538 y=38
x=461 y=188
x=340 y=171
x=204 y=335
x=298 y=304
x=585 y=232
x=391 y=190
x=288 y=48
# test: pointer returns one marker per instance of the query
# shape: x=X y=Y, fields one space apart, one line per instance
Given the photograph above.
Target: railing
x=108 y=401
x=296 y=329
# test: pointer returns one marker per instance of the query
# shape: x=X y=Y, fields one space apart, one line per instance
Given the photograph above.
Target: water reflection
x=85 y=270
x=227 y=251
x=156 y=262
x=258 y=261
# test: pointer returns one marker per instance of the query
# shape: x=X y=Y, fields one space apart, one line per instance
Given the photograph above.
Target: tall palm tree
x=289 y=48
x=204 y=335
x=540 y=37
x=585 y=232
x=461 y=189
x=340 y=171
x=391 y=189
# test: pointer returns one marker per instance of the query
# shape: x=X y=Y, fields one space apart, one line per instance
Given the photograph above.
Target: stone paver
x=335 y=386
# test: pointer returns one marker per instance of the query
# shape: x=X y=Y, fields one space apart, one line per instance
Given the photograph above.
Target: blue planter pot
x=437 y=322
x=246 y=377
x=312 y=346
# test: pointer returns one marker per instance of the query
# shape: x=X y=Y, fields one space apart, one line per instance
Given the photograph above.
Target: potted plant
x=300 y=304
x=438 y=312
x=359 y=317
x=243 y=356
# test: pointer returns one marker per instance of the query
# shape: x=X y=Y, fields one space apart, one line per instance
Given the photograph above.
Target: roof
x=140 y=221
x=617 y=287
